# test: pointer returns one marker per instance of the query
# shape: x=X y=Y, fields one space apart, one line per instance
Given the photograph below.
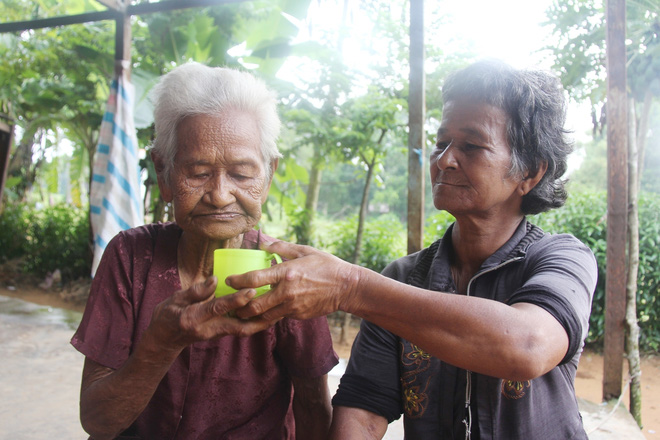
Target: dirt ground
x=588 y=382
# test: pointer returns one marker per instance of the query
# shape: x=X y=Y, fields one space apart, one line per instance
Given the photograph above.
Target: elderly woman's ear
x=158 y=162
x=163 y=186
x=269 y=179
x=273 y=167
x=530 y=181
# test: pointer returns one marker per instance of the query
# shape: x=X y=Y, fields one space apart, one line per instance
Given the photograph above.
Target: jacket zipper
x=467 y=421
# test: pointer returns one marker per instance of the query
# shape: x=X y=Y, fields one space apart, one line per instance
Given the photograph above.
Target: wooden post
x=6 y=137
x=617 y=198
x=416 y=134
x=123 y=40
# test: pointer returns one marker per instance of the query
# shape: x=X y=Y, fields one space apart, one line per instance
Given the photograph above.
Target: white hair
x=196 y=89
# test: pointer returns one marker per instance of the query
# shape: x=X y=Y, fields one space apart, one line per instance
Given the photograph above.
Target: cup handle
x=278 y=259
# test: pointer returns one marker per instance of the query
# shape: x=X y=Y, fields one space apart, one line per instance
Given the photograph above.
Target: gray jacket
x=390 y=376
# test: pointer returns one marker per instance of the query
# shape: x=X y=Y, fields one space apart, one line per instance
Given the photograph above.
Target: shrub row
x=57 y=238
x=46 y=239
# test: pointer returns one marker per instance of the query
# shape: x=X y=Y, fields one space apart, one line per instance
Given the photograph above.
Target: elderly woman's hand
x=194 y=315
x=311 y=283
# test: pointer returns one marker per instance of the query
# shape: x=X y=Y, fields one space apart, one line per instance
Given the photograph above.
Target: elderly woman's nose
x=447 y=159
x=221 y=189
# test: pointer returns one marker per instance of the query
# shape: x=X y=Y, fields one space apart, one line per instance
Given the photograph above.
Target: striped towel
x=115 y=196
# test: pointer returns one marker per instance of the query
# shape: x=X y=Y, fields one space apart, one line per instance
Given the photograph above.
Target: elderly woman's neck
x=474 y=242
x=195 y=256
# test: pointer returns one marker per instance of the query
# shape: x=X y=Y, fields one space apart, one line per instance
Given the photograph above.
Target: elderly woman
x=162 y=357
x=479 y=335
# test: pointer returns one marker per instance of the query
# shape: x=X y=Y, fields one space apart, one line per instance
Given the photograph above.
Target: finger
x=223 y=325
x=197 y=292
x=289 y=251
x=225 y=304
x=245 y=327
x=207 y=311
x=276 y=313
x=256 y=278
x=260 y=306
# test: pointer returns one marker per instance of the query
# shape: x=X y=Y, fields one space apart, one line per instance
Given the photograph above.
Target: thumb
x=201 y=291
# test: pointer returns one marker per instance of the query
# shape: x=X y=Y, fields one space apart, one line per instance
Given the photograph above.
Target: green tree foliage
x=312 y=115
x=57 y=79
x=53 y=80
x=579 y=52
x=365 y=140
x=580 y=58
x=325 y=117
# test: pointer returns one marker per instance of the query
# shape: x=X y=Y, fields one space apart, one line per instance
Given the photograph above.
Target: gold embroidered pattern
x=513 y=389
x=415 y=399
x=413 y=403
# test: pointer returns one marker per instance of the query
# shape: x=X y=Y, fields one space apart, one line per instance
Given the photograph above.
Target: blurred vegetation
x=55 y=237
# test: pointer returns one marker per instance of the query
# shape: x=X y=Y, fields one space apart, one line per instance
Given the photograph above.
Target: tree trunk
x=632 y=339
x=364 y=204
x=22 y=163
x=305 y=234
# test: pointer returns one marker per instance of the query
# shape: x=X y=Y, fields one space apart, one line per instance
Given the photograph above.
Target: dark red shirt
x=229 y=388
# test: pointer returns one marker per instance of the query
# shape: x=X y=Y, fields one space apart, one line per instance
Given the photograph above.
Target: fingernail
x=209 y=281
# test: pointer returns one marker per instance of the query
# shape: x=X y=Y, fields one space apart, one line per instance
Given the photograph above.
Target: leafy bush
x=14 y=221
x=648 y=278
x=585 y=216
x=436 y=225
x=57 y=238
x=383 y=241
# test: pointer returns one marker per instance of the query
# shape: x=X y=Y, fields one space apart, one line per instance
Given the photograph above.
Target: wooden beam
x=169 y=5
x=416 y=134
x=19 y=26
x=117 y=5
x=617 y=198
x=109 y=14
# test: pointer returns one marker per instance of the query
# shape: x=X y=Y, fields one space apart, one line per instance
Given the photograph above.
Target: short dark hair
x=535 y=102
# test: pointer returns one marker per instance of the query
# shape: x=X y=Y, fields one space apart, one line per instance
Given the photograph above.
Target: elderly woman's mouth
x=445 y=183
x=222 y=215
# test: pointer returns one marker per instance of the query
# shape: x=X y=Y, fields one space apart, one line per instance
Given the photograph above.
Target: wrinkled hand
x=311 y=283
x=194 y=315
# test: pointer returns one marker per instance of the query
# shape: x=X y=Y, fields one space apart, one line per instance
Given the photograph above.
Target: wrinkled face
x=471 y=161
x=218 y=182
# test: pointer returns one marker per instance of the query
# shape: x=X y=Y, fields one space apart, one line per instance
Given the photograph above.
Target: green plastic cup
x=228 y=262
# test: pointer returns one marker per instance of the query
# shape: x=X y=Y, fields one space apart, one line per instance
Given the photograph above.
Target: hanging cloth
x=115 y=195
